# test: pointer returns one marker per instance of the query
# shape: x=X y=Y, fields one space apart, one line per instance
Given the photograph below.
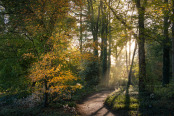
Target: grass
x=123 y=101
x=128 y=102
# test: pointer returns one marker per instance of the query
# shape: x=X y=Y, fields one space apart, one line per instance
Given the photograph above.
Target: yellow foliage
x=54 y=66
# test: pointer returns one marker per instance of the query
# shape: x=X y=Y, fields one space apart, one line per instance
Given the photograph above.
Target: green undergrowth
x=85 y=91
x=60 y=107
x=123 y=101
x=128 y=102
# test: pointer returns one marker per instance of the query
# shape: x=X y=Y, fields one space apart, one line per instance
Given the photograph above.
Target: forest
x=57 y=55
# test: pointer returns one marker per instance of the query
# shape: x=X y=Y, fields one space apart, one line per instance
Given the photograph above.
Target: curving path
x=94 y=105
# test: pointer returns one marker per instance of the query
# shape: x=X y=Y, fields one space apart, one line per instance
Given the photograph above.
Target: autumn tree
x=39 y=22
x=53 y=73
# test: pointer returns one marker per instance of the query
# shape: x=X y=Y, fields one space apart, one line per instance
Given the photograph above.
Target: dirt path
x=93 y=105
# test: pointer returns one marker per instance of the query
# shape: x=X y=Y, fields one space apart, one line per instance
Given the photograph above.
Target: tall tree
x=141 y=4
x=94 y=18
x=40 y=22
x=173 y=40
x=104 y=32
x=94 y=24
x=81 y=29
x=166 y=47
x=110 y=40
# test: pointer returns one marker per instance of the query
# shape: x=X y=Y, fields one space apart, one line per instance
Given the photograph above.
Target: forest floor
x=93 y=105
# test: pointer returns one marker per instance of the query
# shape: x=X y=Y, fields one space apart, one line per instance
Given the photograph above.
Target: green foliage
x=81 y=93
x=154 y=60
x=130 y=102
x=14 y=63
x=90 y=72
x=165 y=93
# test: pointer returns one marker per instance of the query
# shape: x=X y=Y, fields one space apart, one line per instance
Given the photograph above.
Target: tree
x=53 y=72
x=166 y=45
x=94 y=24
x=110 y=40
x=173 y=40
x=141 y=41
x=41 y=22
x=104 y=32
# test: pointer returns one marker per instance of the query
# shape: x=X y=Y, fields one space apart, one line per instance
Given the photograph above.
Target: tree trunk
x=126 y=59
x=94 y=30
x=80 y=42
x=109 y=53
x=130 y=72
x=104 y=43
x=166 y=48
x=129 y=50
x=126 y=52
x=173 y=43
x=141 y=41
x=94 y=26
x=45 y=93
x=116 y=56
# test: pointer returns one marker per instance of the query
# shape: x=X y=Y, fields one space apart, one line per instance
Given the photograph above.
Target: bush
x=90 y=72
x=165 y=92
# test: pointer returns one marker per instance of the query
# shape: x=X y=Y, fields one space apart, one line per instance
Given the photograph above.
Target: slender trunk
x=109 y=53
x=115 y=72
x=116 y=56
x=102 y=33
x=45 y=93
x=81 y=30
x=125 y=31
x=129 y=50
x=126 y=52
x=166 y=48
x=126 y=59
x=130 y=72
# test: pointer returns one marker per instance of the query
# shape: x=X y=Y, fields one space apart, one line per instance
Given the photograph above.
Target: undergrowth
x=10 y=105
x=128 y=102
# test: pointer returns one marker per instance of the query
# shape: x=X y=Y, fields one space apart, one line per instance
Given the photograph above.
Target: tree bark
x=129 y=50
x=130 y=72
x=45 y=93
x=94 y=26
x=126 y=52
x=173 y=42
x=141 y=42
x=81 y=36
x=104 y=43
x=109 y=52
x=166 y=48
x=94 y=29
